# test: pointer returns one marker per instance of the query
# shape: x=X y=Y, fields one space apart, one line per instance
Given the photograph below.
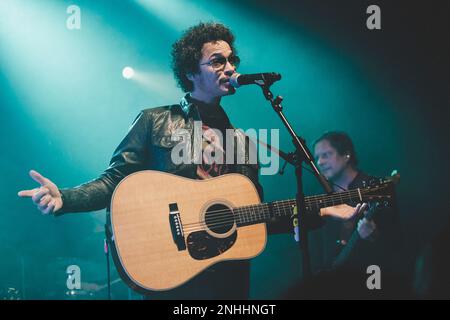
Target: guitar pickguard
x=201 y=245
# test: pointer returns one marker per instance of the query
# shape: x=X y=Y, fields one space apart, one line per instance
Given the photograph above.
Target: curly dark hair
x=342 y=143
x=187 y=51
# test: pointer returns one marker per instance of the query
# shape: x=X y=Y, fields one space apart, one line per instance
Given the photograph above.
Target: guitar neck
x=254 y=214
x=355 y=238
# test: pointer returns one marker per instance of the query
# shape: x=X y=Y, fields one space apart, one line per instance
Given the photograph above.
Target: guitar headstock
x=381 y=191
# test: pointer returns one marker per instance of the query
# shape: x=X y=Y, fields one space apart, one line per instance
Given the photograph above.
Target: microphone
x=237 y=80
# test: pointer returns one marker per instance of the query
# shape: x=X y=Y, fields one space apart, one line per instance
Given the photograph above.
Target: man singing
x=203 y=60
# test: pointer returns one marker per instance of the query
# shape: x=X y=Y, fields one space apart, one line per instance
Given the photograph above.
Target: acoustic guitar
x=167 y=228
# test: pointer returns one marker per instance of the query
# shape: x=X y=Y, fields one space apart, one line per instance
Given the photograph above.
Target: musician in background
x=336 y=159
x=203 y=60
x=374 y=241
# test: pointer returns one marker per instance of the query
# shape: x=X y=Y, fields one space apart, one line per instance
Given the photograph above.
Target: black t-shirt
x=215 y=122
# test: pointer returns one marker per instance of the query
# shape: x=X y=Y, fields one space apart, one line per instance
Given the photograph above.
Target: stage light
x=128 y=72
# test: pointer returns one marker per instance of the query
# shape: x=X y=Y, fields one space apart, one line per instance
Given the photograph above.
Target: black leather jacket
x=148 y=145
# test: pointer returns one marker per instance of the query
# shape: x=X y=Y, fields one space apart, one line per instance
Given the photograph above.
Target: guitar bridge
x=176 y=227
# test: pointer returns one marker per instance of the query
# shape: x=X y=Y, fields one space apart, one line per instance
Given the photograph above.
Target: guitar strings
x=215 y=219
x=226 y=220
x=285 y=203
x=222 y=220
x=278 y=204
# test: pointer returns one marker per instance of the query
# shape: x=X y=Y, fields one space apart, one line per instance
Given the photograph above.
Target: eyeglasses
x=220 y=62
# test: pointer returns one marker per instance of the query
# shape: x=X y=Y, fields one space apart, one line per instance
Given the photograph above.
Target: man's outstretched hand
x=47 y=197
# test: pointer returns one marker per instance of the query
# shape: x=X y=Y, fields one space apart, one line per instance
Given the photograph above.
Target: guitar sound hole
x=219 y=218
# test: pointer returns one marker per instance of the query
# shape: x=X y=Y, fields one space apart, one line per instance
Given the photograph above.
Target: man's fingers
x=49 y=208
x=356 y=211
x=363 y=207
x=45 y=200
x=38 y=177
x=360 y=207
x=27 y=193
x=44 y=207
x=38 y=195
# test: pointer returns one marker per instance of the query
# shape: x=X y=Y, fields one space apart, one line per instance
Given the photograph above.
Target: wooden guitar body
x=146 y=209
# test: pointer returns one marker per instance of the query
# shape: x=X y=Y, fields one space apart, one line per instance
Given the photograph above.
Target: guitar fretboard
x=285 y=208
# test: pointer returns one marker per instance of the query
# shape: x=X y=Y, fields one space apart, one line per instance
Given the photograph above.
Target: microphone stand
x=302 y=154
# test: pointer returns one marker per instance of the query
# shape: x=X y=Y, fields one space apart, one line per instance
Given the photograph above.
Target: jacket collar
x=189 y=107
x=185 y=105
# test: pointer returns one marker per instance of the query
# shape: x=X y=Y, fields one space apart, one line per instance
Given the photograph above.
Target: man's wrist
x=60 y=211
